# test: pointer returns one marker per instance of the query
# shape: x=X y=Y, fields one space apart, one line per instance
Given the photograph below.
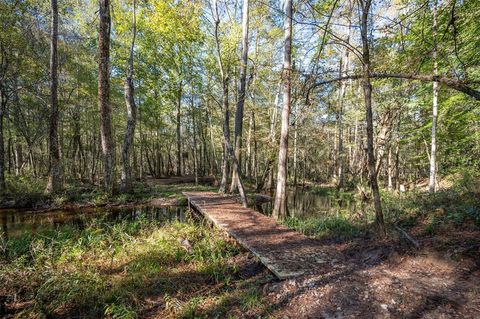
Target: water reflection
x=303 y=203
x=15 y=222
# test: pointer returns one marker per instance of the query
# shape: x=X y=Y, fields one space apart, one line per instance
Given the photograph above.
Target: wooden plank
x=285 y=252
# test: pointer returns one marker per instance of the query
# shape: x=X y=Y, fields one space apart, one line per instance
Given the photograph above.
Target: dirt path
x=356 y=279
x=382 y=281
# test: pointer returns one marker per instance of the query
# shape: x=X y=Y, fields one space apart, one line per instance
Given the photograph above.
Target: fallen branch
x=407 y=236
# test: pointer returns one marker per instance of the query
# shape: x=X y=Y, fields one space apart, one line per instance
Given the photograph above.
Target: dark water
x=15 y=222
x=302 y=204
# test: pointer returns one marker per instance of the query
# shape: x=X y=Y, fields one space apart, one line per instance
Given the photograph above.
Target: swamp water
x=303 y=203
x=16 y=222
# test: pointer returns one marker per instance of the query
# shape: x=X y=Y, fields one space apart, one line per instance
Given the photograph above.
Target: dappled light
x=239 y=159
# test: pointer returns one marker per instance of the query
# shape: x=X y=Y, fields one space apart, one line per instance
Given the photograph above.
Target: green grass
x=453 y=207
x=28 y=193
x=106 y=270
x=341 y=226
x=456 y=207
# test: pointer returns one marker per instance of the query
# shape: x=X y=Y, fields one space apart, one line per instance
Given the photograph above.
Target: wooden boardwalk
x=285 y=252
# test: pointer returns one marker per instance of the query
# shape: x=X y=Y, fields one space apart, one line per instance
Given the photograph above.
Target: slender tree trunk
x=396 y=181
x=248 y=164
x=344 y=63
x=194 y=133
x=267 y=180
x=241 y=97
x=17 y=148
x=126 y=175
x=367 y=90
x=295 y=148
x=226 y=127
x=141 y=171
x=390 y=168
x=280 y=205
x=78 y=153
x=433 y=152
x=212 y=142
x=108 y=148
x=54 y=179
x=179 y=133
x=3 y=104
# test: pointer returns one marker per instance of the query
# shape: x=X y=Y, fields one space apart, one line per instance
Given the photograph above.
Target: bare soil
x=365 y=277
x=388 y=280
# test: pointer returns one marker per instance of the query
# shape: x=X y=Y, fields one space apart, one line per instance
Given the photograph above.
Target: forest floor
x=388 y=279
x=153 y=191
x=149 y=271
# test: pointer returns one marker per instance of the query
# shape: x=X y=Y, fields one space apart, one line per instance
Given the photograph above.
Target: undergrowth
x=25 y=192
x=455 y=207
x=109 y=269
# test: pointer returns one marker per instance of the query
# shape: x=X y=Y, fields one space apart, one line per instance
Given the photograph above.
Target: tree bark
x=194 y=133
x=126 y=174
x=178 y=131
x=108 y=150
x=280 y=205
x=3 y=103
x=367 y=90
x=241 y=96
x=54 y=180
x=433 y=152
x=228 y=148
x=344 y=64
x=390 y=169
x=295 y=148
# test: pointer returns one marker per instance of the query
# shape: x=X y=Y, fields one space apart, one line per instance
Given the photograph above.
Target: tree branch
x=449 y=82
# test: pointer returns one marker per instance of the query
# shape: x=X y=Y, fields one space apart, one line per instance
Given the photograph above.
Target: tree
x=108 y=149
x=3 y=103
x=228 y=148
x=367 y=91
x=280 y=205
x=433 y=152
x=241 y=95
x=179 y=128
x=54 y=182
x=126 y=174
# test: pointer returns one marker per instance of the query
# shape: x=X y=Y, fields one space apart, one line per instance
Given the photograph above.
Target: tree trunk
x=195 y=153
x=141 y=143
x=295 y=148
x=248 y=164
x=108 y=149
x=241 y=97
x=344 y=63
x=367 y=90
x=280 y=206
x=178 y=131
x=54 y=181
x=433 y=152
x=126 y=175
x=390 y=169
x=3 y=103
x=226 y=127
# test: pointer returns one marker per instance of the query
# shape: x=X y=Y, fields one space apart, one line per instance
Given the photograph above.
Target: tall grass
x=109 y=269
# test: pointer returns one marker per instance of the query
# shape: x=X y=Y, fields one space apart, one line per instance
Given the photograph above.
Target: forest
x=240 y=159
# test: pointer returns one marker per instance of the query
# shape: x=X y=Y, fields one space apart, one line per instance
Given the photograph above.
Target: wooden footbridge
x=285 y=252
